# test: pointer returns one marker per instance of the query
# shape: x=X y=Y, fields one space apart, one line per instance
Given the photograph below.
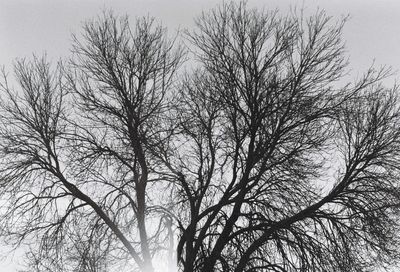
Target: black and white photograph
x=199 y=136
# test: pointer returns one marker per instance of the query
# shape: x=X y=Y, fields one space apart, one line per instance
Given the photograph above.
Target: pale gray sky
x=28 y=26
x=38 y=26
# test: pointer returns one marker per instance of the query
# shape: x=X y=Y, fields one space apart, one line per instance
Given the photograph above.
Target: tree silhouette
x=74 y=144
x=260 y=158
x=281 y=169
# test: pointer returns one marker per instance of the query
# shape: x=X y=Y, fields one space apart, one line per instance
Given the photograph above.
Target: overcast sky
x=28 y=26
x=38 y=26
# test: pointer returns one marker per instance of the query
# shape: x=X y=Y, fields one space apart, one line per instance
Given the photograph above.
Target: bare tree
x=74 y=147
x=277 y=167
x=260 y=159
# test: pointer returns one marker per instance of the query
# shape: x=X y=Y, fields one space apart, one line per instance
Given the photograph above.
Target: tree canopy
x=253 y=155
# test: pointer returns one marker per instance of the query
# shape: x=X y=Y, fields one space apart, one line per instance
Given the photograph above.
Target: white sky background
x=38 y=26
